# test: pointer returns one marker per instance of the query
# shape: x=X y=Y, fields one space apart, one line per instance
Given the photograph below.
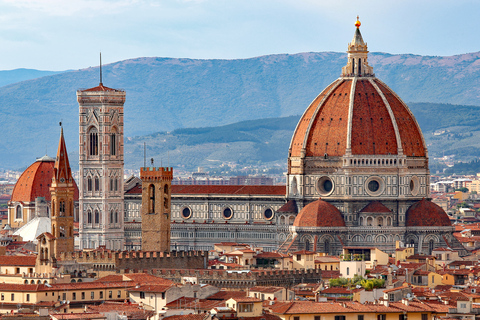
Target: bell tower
x=62 y=192
x=156 y=204
x=101 y=167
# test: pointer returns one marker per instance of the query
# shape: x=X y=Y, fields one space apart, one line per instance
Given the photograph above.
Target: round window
x=373 y=186
x=268 y=214
x=186 y=212
x=325 y=186
x=414 y=186
x=227 y=213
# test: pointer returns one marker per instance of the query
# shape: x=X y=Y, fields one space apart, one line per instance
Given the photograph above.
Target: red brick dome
x=360 y=114
x=425 y=213
x=319 y=214
x=35 y=181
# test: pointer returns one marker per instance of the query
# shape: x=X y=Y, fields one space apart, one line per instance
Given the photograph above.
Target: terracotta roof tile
x=319 y=214
x=425 y=213
x=376 y=207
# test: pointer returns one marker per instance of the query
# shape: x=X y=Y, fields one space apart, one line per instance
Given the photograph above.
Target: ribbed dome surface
x=319 y=214
x=35 y=182
x=358 y=114
x=425 y=213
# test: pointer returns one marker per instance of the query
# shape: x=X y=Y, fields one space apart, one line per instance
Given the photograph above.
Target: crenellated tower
x=156 y=208
x=62 y=192
x=101 y=167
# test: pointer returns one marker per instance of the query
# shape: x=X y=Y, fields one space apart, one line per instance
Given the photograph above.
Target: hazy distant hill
x=16 y=75
x=164 y=94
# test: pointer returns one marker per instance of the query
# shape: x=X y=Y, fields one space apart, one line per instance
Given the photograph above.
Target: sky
x=69 y=34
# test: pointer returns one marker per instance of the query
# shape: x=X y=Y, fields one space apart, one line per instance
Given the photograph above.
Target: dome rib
x=348 y=150
x=405 y=120
x=392 y=117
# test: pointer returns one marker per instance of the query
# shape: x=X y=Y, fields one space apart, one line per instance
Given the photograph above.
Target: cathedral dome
x=357 y=114
x=319 y=214
x=425 y=213
x=35 y=181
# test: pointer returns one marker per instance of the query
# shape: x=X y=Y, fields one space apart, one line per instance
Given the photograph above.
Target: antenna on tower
x=144 y=155
x=101 y=80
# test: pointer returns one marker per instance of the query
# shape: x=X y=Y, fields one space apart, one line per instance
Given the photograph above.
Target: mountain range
x=165 y=94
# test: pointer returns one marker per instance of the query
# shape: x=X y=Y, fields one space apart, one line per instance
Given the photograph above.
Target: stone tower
x=101 y=167
x=62 y=192
x=156 y=217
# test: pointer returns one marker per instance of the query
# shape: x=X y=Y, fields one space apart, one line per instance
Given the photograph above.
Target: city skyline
x=59 y=35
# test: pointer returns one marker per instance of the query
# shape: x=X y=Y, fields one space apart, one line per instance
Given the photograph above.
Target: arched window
x=307 y=245
x=116 y=216
x=380 y=221
x=89 y=216
x=113 y=144
x=326 y=246
x=97 y=217
x=61 y=208
x=111 y=216
x=359 y=66
x=115 y=183
x=18 y=214
x=431 y=246
x=93 y=142
x=89 y=184
x=165 y=189
x=151 y=198
x=291 y=220
x=97 y=184
x=282 y=220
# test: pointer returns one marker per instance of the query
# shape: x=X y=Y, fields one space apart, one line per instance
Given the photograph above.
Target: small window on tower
x=97 y=184
x=113 y=144
x=93 y=142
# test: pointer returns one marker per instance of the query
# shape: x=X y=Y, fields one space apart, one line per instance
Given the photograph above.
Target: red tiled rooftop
x=20 y=261
x=319 y=214
x=425 y=213
x=323 y=128
x=227 y=189
x=35 y=182
x=375 y=207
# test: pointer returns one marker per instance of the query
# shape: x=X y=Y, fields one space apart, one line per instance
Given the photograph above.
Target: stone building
x=101 y=167
x=156 y=204
x=359 y=148
x=357 y=176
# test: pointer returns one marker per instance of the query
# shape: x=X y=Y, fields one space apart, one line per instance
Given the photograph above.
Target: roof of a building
x=319 y=214
x=289 y=207
x=19 y=261
x=33 y=228
x=221 y=189
x=100 y=88
x=425 y=213
x=376 y=207
x=35 y=181
x=362 y=115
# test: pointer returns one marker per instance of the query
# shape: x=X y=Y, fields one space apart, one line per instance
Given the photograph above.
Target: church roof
x=61 y=169
x=425 y=213
x=33 y=228
x=289 y=207
x=319 y=214
x=357 y=114
x=376 y=207
x=223 y=189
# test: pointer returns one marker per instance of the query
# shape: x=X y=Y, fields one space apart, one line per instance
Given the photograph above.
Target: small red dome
x=425 y=213
x=35 y=181
x=319 y=214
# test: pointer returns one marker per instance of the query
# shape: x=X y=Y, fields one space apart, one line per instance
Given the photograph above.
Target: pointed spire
x=357 y=64
x=61 y=170
x=101 y=80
